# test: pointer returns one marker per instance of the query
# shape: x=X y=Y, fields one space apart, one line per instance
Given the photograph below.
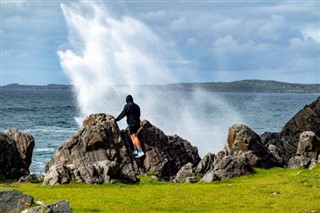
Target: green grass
x=273 y=190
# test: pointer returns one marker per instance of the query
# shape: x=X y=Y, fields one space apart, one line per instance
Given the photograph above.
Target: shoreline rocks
x=15 y=154
x=12 y=201
x=102 y=153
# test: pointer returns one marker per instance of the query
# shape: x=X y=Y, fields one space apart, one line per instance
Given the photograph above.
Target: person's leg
x=135 y=141
x=135 y=149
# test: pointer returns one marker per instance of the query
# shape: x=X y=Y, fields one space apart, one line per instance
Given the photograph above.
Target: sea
x=50 y=116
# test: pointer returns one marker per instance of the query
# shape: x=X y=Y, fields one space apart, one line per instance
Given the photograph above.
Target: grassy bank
x=273 y=190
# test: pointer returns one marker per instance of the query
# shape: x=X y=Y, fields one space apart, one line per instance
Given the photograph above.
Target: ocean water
x=50 y=116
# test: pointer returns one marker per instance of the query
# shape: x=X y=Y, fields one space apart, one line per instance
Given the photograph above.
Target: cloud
x=313 y=34
x=215 y=38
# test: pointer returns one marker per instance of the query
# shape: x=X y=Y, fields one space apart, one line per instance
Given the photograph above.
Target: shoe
x=139 y=155
x=135 y=152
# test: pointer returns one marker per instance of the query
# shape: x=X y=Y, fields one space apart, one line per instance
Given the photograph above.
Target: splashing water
x=109 y=57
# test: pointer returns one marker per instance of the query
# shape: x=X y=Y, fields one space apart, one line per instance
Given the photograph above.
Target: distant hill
x=258 y=86
x=49 y=86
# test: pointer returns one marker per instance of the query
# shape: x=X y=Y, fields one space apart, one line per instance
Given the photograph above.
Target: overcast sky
x=218 y=40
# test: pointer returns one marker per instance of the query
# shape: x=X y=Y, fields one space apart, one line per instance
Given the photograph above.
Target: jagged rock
x=25 y=144
x=210 y=176
x=15 y=154
x=101 y=153
x=28 y=178
x=309 y=145
x=14 y=201
x=276 y=153
x=242 y=141
x=219 y=156
x=60 y=206
x=307 y=119
x=268 y=136
x=299 y=161
x=165 y=155
x=185 y=172
x=93 y=155
x=57 y=174
x=38 y=209
x=228 y=167
x=206 y=164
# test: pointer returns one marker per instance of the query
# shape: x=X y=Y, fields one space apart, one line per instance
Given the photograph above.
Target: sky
x=220 y=41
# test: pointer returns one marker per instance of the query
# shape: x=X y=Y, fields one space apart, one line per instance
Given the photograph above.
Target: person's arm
x=122 y=114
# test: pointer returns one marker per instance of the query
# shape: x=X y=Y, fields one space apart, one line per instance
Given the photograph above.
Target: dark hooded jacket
x=132 y=111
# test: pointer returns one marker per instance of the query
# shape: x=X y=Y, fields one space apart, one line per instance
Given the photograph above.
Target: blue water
x=49 y=115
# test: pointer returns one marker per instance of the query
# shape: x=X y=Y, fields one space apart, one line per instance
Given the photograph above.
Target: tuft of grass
x=276 y=190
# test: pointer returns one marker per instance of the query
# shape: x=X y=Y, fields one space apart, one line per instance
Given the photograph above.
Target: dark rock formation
x=61 y=206
x=15 y=154
x=309 y=145
x=243 y=141
x=206 y=164
x=299 y=161
x=307 y=119
x=165 y=155
x=14 y=201
x=228 y=167
x=101 y=153
x=25 y=144
x=96 y=154
x=308 y=151
x=187 y=171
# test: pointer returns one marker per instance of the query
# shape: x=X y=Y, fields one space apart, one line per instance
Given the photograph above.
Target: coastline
x=244 y=86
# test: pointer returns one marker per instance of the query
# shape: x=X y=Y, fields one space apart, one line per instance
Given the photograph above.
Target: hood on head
x=129 y=99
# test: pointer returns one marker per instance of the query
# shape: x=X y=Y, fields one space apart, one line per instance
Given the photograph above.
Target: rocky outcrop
x=297 y=145
x=15 y=201
x=243 y=151
x=61 y=206
x=308 y=151
x=101 y=153
x=165 y=155
x=309 y=145
x=96 y=154
x=286 y=141
x=15 y=154
x=243 y=141
x=228 y=167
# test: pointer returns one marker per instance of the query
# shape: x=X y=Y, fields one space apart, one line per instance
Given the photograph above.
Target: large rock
x=101 y=153
x=25 y=144
x=206 y=164
x=14 y=201
x=165 y=155
x=299 y=161
x=92 y=155
x=243 y=141
x=307 y=119
x=15 y=153
x=187 y=171
x=228 y=167
x=309 y=145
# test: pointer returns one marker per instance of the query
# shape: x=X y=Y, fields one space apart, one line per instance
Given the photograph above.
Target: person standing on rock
x=132 y=111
